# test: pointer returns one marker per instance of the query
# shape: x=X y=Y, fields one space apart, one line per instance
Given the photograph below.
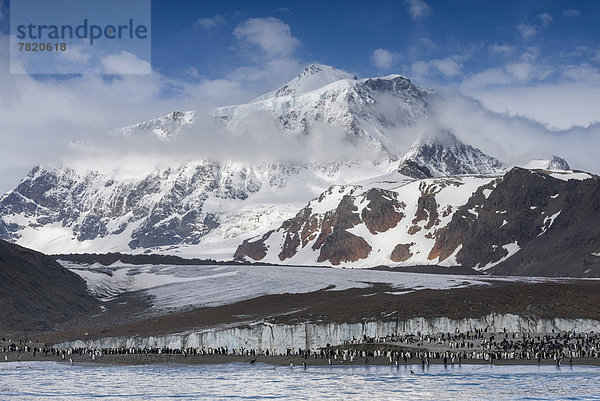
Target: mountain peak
x=164 y=127
x=551 y=163
x=312 y=77
x=327 y=72
x=442 y=137
x=443 y=154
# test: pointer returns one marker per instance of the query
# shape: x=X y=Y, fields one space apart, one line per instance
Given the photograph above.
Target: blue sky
x=479 y=34
x=216 y=53
x=534 y=59
x=490 y=50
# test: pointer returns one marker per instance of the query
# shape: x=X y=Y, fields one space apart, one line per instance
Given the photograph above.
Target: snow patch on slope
x=548 y=221
x=570 y=175
x=511 y=249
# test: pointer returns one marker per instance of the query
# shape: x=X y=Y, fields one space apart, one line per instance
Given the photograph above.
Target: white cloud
x=519 y=89
x=527 y=31
x=270 y=35
x=419 y=69
x=508 y=136
x=51 y=114
x=124 y=63
x=559 y=106
x=501 y=49
x=531 y=54
x=418 y=8
x=516 y=140
x=572 y=12
x=209 y=22
x=525 y=71
x=382 y=58
x=428 y=43
x=545 y=19
x=490 y=77
x=82 y=110
x=583 y=73
x=268 y=74
x=267 y=45
x=78 y=54
x=192 y=72
x=577 y=51
x=448 y=67
x=516 y=72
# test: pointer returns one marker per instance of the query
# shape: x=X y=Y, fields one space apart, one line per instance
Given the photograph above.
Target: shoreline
x=272 y=360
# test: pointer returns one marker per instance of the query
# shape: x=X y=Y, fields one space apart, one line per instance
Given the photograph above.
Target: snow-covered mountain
x=524 y=222
x=551 y=163
x=166 y=127
x=313 y=77
x=442 y=154
x=365 y=109
x=62 y=209
x=389 y=208
x=59 y=209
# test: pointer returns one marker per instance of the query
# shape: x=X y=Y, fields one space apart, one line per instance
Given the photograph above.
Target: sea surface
x=59 y=381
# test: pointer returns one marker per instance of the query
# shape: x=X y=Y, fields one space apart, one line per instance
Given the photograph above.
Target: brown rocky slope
x=37 y=293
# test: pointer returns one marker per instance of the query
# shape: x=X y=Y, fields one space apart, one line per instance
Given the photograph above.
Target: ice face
x=277 y=338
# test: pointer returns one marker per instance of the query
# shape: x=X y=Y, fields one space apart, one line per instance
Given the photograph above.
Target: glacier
x=278 y=338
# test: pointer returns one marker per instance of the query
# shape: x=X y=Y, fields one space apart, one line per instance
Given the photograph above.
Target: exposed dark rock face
x=382 y=212
x=558 y=163
x=401 y=253
x=411 y=168
x=337 y=244
x=299 y=231
x=550 y=220
x=37 y=293
x=427 y=209
x=341 y=246
x=450 y=237
x=291 y=244
x=568 y=247
x=253 y=249
x=107 y=259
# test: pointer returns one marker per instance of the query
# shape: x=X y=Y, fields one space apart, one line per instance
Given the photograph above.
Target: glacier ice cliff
x=277 y=338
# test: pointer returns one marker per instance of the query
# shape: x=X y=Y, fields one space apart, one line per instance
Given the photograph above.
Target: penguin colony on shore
x=446 y=347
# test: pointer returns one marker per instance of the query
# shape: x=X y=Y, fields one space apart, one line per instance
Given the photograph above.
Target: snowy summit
x=551 y=163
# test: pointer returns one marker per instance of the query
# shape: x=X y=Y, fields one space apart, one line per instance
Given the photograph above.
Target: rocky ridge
x=524 y=222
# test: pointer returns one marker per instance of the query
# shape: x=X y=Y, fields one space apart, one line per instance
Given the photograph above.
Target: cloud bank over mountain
x=70 y=126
